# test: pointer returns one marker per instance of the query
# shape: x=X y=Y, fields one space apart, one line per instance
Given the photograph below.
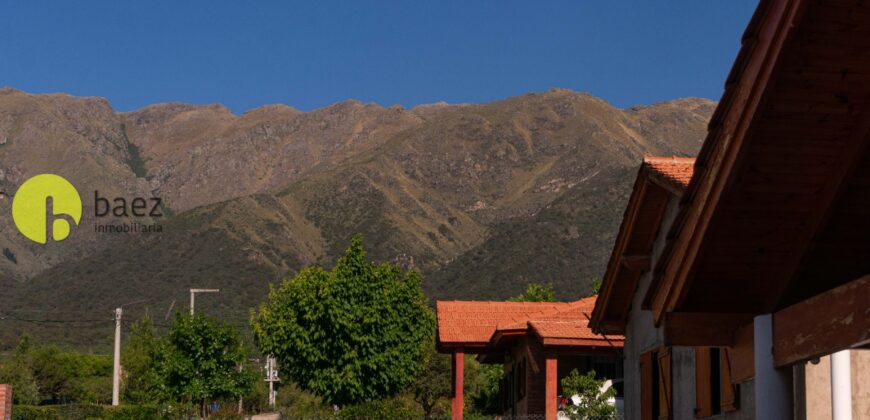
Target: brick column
x=5 y=402
x=457 y=403
x=551 y=388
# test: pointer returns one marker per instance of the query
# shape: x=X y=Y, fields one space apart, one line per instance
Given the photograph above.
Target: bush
x=296 y=403
x=132 y=412
x=28 y=412
x=85 y=412
x=592 y=402
x=386 y=409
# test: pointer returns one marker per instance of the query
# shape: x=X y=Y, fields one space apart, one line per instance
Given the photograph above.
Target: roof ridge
x=668 y=159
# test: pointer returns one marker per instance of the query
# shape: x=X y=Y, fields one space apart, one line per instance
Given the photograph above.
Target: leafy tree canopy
x=353 y=334
x=199 y=360
x=40 y=372
x=536 y=292
x=141 y=383
x=434 y=381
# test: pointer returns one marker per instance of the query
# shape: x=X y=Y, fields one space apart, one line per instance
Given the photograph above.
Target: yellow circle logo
x=46 y=206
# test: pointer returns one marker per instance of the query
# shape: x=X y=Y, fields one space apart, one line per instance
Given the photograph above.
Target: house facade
x=742 y=280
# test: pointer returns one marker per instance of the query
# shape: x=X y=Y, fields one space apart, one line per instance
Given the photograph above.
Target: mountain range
x=481 y=199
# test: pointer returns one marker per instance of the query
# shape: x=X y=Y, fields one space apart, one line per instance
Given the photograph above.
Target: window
x=714 y=392
x=664 y=379
x=655 y=385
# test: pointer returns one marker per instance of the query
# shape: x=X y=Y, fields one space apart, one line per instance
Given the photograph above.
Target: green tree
x=353 y=334
x=17 y=372
x=482 y=385
x=433 y=383
x=198 y=361
x=141 y=383
x=536 y=292
x=78 y=376
x=592 y=402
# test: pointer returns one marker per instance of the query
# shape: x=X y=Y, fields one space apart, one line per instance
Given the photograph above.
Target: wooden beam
x=702 y=329
x=721 y=151
x=639 y=263
x=635 y=239
x=823 y=324
x=741 y=354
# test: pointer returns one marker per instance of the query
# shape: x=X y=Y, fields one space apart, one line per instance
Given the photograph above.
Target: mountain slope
x=480 y=198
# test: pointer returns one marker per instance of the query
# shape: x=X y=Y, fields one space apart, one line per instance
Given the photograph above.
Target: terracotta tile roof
x=475 y=321
x=563 y=329
x=674 y=171
x=478 y=323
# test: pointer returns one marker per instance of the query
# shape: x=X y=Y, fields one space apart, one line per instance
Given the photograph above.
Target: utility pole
x=116 y=370
x=193 y=293
x=271 y=377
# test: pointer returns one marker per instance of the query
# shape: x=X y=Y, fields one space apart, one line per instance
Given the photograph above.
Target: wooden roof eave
x=762 y=44
x=605 y=318
x=597 y=320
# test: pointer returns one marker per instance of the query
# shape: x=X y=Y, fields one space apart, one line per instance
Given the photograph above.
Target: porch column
x=550 y=389
x=457 y=404
x=841 y=386
x=773 y=387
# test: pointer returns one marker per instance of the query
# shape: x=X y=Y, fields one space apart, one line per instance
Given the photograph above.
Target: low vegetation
x=353 y=341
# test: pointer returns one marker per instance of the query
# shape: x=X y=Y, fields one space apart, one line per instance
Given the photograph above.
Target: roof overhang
x=779 y=208
x=632 y=251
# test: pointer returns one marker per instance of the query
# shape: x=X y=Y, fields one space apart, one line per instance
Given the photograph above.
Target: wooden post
x=457 y=402
x=5 y=401
x=551 y=388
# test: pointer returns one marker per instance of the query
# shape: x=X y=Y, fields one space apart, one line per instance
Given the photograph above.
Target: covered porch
x=537 y=343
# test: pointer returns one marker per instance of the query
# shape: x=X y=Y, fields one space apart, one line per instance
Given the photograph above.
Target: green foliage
x=18 y=373
x=26 y=412
x=593 y=403
x=536 y=292
x=296 y=403
x=45 y=371
x=433 y=383
x=85 y=412
x=141 y=384
x=481 y=387
x=351 y=335
x=399 y=407
x=199 y=361
x=595 y=286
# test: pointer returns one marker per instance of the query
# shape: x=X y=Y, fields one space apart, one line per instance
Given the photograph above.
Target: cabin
x=744 y=291
x=537 y=343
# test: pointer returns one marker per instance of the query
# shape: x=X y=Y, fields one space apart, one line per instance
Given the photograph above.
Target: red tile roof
x=473 y=323
x=674 y=171
x=563 y=329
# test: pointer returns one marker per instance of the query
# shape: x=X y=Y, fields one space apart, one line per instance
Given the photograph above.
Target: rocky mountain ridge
x=480 y=198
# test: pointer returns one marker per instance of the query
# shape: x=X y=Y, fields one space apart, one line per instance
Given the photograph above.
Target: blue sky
x=308 y=55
